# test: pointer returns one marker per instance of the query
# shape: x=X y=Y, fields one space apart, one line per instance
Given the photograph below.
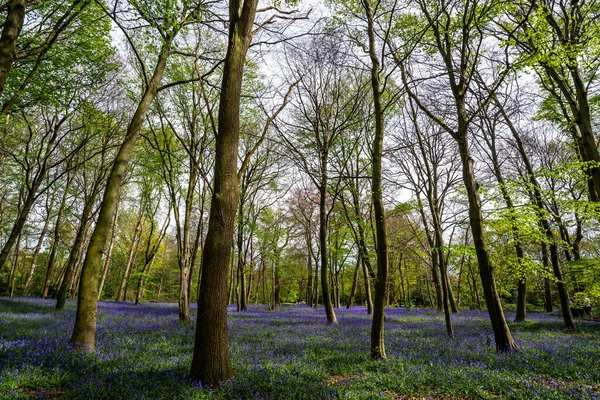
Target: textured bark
x=210 y=363
x=10 y=34
x=502 y=335
x=84 y=332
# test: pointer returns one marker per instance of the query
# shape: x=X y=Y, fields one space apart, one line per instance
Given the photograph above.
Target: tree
x=210 y=363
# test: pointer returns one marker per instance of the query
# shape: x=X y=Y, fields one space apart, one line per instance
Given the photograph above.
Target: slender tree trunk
x=109 y=252
x=354 y=282
x=368 y=294
x=37 y=249
x=329 y=312
x=210 y=363
x=135 y=240
x=84 y=331
x=377 y=327
x=13 y=268
x=55 y=242
x=309 y=285
x=522 y=287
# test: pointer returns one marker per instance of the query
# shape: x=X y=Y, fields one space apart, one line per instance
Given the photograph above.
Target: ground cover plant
x=143 y=352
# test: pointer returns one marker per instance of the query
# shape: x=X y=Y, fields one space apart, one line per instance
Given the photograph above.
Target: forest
x=356 y=190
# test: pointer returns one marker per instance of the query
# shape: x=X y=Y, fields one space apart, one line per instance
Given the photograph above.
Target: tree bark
x=210 y=363
x=13 y=24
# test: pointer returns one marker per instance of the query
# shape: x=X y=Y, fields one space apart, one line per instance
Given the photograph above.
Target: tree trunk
x=309 y=285
x=329 y=312
x=377 y=327
x=37 y=249
x=109 y=252
x=210 y=363
x=84 y=332
x=354 y=283
x=57 y=228
x=135 y=240
x=15 y=18
x=13 y=268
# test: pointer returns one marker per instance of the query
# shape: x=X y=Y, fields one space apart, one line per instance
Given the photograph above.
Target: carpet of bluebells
x=291 y=353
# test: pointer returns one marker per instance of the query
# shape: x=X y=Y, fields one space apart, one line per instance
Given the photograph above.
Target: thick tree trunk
x=84 y=331
x=15 y=18
x=210 y=363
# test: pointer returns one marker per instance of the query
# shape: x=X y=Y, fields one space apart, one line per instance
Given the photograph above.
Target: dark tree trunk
x=210 y=363
x=15 y=18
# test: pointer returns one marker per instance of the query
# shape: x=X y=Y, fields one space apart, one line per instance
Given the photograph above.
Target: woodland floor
x=291 y=353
